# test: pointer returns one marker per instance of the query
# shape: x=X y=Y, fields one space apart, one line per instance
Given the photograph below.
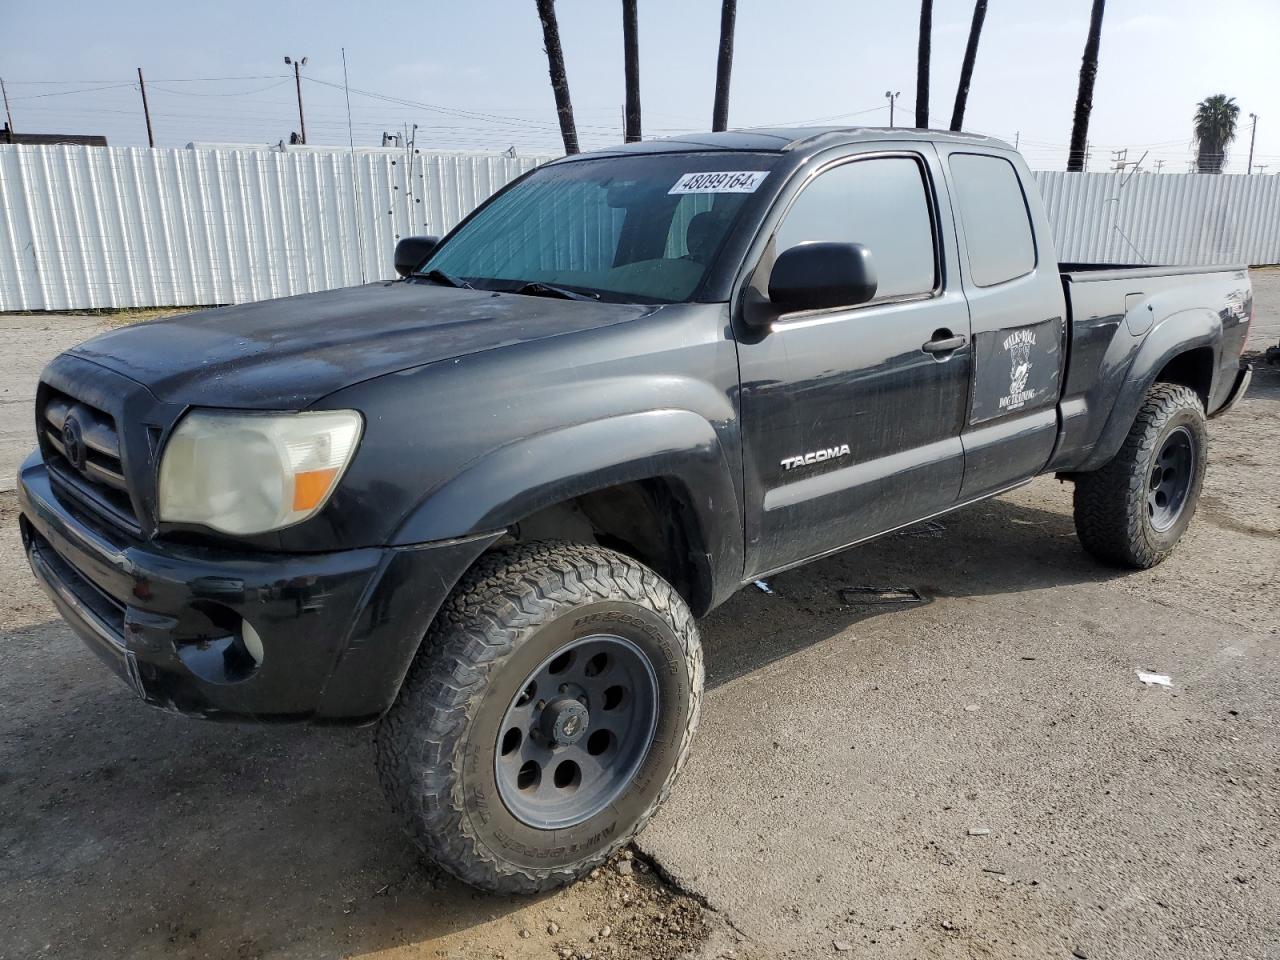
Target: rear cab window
x=993 y=211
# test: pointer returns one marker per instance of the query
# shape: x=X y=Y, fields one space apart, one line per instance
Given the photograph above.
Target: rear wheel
x=1133 y=511
x=546 y=716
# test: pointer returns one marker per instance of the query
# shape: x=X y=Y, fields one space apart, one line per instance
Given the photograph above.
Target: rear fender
x=1177 y=334
x=530 y=474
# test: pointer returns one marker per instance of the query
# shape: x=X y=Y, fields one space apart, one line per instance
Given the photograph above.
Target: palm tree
x=966 y=68
x=631 y=70
x=1215 y=127
x=559 y=81
x=724 y=65
x=922 y=63
x=1084 y=95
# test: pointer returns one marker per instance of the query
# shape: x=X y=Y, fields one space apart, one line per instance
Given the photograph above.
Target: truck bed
x=1083 y=270
x=1112 y=310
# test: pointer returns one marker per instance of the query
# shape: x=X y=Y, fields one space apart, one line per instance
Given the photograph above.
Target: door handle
x=944 y=342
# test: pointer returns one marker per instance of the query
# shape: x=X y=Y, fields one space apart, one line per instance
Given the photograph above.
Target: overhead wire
x=151 y=84
x=485 y=127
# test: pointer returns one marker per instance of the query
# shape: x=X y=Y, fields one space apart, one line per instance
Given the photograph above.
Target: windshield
x=635 y=228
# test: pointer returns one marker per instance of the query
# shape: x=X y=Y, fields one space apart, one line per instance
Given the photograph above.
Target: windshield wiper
x=536 y=288
x=448 y=279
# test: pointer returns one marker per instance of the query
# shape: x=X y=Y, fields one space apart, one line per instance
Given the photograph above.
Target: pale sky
x=473 y=76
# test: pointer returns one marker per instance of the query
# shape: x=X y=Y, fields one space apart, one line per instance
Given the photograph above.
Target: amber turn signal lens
x=311 y=487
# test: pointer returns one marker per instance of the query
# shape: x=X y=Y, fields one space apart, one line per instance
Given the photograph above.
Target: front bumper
x=338 y=630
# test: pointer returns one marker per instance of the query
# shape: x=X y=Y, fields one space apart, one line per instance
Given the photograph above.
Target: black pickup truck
x=482 y=505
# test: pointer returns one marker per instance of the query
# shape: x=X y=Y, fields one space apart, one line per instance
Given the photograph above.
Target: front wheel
x=1133 y=510
x=546 y=716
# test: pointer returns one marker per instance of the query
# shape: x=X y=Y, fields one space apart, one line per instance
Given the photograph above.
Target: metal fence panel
x=1192 y=219
x=93 y=227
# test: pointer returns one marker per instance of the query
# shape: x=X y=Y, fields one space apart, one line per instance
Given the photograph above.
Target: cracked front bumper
x=337 y=630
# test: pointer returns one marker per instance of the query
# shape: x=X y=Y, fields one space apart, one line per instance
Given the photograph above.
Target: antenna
x=355 y=182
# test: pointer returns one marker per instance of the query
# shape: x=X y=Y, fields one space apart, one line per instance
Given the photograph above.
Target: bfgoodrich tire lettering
x=436 y=746
x=1113 y=508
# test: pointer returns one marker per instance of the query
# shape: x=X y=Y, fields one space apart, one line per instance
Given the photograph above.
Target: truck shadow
x=996 y=547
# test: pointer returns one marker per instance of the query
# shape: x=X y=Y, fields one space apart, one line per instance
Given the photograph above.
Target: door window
x=880 y=203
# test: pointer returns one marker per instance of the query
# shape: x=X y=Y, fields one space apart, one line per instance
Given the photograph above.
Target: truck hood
x=287 y=354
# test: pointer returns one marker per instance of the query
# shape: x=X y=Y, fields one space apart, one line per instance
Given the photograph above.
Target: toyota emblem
x=73 y=442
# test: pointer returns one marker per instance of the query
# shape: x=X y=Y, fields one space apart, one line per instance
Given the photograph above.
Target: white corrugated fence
x=93 y=227
x=1174 y=218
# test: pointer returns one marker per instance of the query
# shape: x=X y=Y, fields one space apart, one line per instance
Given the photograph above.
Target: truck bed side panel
x=1126 y=325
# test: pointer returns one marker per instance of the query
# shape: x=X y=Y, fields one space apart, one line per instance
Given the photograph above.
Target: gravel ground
x=850 y=760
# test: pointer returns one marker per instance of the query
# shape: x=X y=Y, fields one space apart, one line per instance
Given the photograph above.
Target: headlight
x=252 y=472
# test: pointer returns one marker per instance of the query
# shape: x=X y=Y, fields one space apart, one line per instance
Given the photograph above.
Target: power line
x=68 y=93
x=834 y=116
x=233 y=93
x=116 y=80
x=453 y=111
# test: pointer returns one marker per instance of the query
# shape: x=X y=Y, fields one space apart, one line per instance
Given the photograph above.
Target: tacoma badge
x=815 y=456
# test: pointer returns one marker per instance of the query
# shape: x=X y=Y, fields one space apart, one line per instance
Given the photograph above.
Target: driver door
x=852 y=416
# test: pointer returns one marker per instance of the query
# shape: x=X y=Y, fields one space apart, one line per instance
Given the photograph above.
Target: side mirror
x=818 y=274
x=412 y=252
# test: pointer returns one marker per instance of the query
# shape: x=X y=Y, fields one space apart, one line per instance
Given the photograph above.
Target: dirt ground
x=849 y=761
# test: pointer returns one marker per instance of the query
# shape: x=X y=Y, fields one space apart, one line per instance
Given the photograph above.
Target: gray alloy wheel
x=577 y=731
x=545 y=717
x=1171 y=478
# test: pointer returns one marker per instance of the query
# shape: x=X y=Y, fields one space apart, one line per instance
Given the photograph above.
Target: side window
x=880 y=203
x=997 y=227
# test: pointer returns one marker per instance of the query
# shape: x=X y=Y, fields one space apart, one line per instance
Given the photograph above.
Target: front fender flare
x=520 y=478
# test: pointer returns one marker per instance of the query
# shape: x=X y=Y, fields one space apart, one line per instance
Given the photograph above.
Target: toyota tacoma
x=482 y=506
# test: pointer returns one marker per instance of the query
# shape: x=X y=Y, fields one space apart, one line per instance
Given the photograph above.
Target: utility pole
x=1159 y=165
x=892 y=96
x=7 y=113
x=631 y=71
x=297 y=79
x=1260 y=167
x=146 y=111
x=1253 y=135
x=724 y=65
x=1017 y=137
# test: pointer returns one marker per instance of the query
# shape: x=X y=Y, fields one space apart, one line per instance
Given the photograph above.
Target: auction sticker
x=720 y=181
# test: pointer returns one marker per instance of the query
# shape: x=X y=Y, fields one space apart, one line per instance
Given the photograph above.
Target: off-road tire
x=435 y=747
x=1111 y=513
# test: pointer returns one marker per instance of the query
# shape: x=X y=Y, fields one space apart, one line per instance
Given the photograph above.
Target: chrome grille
x=85 y=461
x=100 y=462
